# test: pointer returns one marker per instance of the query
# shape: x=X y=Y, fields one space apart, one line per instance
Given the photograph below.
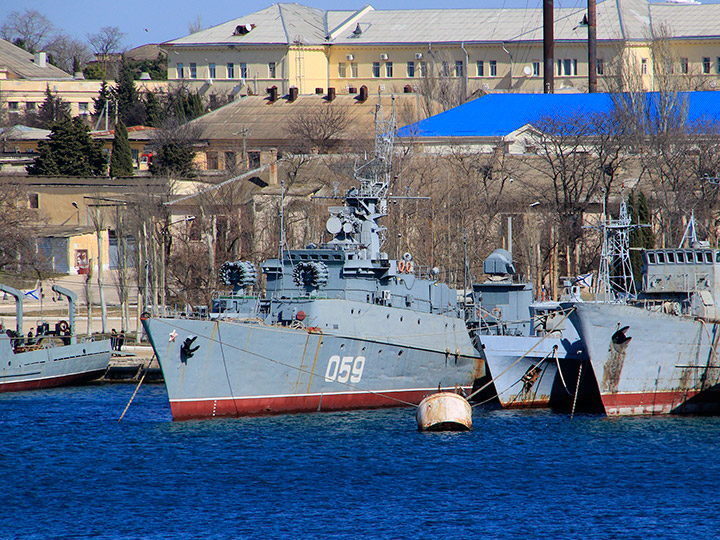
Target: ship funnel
x=18 y=305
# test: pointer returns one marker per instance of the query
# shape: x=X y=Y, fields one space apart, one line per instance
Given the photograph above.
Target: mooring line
x=136 y=388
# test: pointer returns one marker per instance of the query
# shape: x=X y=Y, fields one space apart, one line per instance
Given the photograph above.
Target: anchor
x=187 y=350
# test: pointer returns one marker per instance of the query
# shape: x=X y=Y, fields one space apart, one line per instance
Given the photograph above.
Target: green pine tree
x=121 y=159
x=130 y=108
x=69 y=151
x=640 y=237
x=173 y=158
x=105 y=97
x=153 y=110
x=53 y=109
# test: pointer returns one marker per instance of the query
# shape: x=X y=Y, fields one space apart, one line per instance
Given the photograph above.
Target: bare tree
x=19 y=229
x=196 y=25
x=67 y=53
x=318 y=128
x=29 y=29
x=108 y=41
x=439 y=84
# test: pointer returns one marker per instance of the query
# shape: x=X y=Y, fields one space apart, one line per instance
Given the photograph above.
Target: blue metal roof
x=500 y=114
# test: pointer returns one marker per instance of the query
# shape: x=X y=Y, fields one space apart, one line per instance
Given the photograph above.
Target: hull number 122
x=348 y=368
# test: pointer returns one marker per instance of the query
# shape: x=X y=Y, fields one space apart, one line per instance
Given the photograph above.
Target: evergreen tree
x=53 y=109
x=173 y=157
x=153 y=110
x=121 y=159
x=130 y=108
x=105 y=96
x=69 y=151
x=640 y=237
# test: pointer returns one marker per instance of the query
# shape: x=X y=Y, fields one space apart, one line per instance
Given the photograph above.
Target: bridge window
x=698 y=257
x=708 y=257
x=671 y=257
x=661 y=258
x=651 y=258
x=681 y=257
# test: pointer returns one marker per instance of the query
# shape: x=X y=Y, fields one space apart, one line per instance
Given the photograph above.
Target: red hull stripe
x=661 y=402
x=50 y=382
x=265 y=405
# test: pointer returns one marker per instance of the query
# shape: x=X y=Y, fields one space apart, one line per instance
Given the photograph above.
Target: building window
x=253 y=160
x=493 y=68
x=445 y=70
x=353 y=70
x=83 y=108
x=717 y=68
x=193 y=70
x=180 y=71
x=388 y=70
x=342 y=70
x=243 y=70
x=644 y=66
x=600 y=66
x=230 y=70
x=271 y=70
x=411 y=69
x=34 y=200
x=14 y=105
x=480 y=68
x=459 y=69
x=230 y=160
x=536 y=69
x=376 y=69
x=684 y=66
x=567 y=67
x=31 y=106
x=212 y=71
x=423 y=68
x=212 y=160
x=706 y=65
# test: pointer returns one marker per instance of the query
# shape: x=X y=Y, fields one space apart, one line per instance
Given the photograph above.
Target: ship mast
x=616 y=275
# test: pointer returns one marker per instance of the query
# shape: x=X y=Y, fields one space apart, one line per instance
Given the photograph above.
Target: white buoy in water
x=444 y=411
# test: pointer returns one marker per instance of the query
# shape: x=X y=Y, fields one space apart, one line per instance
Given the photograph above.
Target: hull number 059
x=348 y=368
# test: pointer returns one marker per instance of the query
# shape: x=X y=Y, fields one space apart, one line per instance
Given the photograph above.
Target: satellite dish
x=527 y=70
x=347 y=228
x=333 y=225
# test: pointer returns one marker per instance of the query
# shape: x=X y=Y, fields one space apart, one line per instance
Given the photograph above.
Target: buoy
x=444 y=411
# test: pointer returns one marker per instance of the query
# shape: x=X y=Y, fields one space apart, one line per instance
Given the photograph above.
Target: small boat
x=50 y=357
x=444 y=411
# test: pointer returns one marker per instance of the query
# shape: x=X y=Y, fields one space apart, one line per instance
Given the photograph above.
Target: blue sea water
x=70 y=470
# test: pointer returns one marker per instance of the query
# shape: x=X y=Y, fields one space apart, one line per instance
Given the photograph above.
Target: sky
x=156 y=21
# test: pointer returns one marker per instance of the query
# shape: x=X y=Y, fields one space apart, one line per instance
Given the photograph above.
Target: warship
x=340 y=325
x=532 y=351
x=654 y=351
x=50 y=357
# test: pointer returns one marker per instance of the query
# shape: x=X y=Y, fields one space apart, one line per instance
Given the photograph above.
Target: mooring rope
x=136 y=389
x=491 y=381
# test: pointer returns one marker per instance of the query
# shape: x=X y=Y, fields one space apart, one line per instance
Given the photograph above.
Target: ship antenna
x=282 y=230
x=690 y=232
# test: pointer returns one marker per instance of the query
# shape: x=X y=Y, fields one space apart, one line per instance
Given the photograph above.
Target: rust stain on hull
x=616 y=359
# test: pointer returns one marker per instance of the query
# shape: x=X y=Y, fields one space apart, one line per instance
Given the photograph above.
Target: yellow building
x=487 y=50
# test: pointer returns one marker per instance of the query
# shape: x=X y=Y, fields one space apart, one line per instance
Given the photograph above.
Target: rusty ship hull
x=380 y=357
x=649 y=362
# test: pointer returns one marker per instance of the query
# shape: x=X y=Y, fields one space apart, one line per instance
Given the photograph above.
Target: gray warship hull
x=51 y=366
x=661 y=363
x=350 y=355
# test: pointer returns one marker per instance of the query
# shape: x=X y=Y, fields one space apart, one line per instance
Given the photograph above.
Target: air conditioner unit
x=384 y=56
x=382 y=87
x=418 y=56
x=350 y=57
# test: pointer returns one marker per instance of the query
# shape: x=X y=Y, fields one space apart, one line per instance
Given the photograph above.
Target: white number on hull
x=347 y=368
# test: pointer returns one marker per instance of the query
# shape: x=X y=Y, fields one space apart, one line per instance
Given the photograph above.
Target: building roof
x=284 y=24
x=497 y=115
x=263 y=121
x=21 y=64
x=23 y=133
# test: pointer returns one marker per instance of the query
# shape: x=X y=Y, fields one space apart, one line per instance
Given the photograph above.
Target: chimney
x=407 y=89
x=272 y=94
x=331 y=94
x=41 y=59
x=363 y=94
x=352 y=90
x=319 y=91
x=292 y=94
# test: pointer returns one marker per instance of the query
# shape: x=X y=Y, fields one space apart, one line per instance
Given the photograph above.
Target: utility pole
x=592 y=47
x=548 y=47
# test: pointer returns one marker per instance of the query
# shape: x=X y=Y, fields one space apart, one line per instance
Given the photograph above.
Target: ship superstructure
x=339 y=326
